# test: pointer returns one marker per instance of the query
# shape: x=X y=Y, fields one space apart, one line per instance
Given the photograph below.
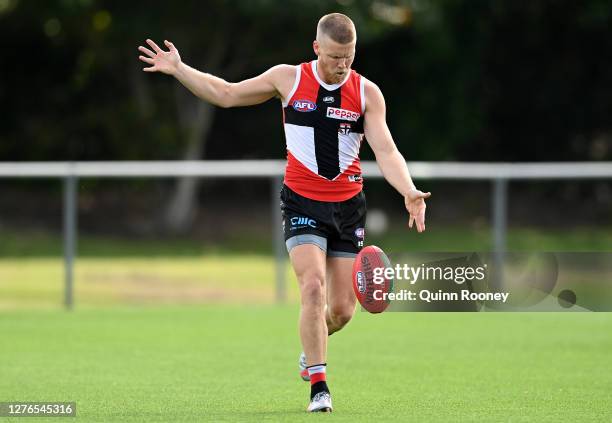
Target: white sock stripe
x=316 y=369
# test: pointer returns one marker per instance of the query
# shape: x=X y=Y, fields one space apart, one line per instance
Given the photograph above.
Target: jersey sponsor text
x=342 y=114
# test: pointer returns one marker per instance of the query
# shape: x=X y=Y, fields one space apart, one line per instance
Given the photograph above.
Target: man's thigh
x=308 y=260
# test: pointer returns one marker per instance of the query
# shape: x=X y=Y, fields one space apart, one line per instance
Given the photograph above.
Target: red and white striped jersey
x=324 y=130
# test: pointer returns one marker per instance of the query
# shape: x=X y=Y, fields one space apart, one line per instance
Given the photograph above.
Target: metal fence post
x=500 y=200
x=279 y=241
x=499 y=205
x=70 y=224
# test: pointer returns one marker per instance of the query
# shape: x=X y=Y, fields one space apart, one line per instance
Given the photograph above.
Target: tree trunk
x=181 y=210
x=196 y=118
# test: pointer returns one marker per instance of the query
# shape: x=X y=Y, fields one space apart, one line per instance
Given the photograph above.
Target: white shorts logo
x=342 y=114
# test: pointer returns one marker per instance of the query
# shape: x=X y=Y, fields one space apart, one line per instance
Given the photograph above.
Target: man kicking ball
x=328 y=108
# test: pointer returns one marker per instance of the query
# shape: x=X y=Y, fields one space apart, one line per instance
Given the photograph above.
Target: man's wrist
x=410 y=188
x=179 y=70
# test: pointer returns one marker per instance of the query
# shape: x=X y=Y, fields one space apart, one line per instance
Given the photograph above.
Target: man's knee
x=341 y=314
x=312 y=288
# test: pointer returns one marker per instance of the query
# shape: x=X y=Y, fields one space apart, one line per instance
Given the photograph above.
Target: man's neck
x=322 y=75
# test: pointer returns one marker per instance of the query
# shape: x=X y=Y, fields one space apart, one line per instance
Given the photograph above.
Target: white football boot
x=320 y=403
x=303 y=370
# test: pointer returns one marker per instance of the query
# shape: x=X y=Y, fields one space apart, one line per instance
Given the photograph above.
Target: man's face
x=335 y=59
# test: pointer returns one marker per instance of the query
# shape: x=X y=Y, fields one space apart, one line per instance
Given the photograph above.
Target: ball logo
x=360 y=232
x=360 y=282
x=304 y=106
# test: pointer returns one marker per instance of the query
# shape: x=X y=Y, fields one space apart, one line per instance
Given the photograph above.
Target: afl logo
x=360 y=282
x=304 y=106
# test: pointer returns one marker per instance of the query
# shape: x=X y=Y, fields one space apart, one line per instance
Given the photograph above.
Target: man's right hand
x=160 y=61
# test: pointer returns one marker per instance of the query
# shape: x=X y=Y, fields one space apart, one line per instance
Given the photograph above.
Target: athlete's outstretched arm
x=211 y=88
x=389 y=159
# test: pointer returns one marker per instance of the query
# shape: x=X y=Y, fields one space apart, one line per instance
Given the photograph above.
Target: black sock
x=318 y=387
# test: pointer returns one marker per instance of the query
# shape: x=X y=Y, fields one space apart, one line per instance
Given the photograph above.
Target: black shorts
x=336 y=227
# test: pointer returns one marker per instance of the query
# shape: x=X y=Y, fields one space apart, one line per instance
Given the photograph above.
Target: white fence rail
x=272 y=168
x=498 y=173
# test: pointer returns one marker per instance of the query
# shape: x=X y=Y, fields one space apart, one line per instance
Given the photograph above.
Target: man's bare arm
x=275 y=82
x=390 y=161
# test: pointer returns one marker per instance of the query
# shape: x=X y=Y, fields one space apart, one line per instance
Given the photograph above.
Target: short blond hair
x=340 y=28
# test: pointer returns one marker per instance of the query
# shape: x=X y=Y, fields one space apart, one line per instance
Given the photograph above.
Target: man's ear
x=315 y=47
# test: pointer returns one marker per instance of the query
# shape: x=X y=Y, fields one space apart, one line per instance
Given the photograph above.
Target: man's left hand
x=415 y=204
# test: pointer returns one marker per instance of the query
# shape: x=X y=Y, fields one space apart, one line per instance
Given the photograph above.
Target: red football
x=369 y=280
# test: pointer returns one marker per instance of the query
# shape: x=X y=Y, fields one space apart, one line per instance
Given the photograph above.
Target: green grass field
x=238 y=363
x=397 y=239
x=166 y=331
x=38 y=282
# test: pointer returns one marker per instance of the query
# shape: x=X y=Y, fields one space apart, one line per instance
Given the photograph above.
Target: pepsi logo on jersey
x=342 y=114
x=304 y=106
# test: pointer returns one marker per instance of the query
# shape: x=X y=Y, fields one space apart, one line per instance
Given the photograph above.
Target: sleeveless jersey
x=324 y=130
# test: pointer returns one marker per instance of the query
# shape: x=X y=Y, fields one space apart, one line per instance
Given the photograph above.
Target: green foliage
x=463 y=80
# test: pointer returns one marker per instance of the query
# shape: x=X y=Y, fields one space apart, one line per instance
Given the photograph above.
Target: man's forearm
x=395 y=171
x=205 y=86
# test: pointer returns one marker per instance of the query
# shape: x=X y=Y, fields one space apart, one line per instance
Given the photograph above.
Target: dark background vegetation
x=464 y=80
